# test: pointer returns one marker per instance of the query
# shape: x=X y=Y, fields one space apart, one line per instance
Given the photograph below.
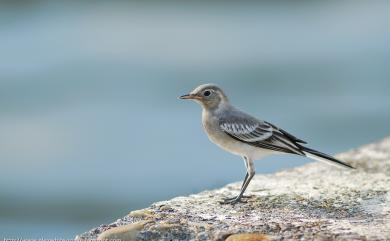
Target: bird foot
x=235 y=197
x=233 y=200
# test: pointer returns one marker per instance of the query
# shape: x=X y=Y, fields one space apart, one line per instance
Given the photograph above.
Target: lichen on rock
x=311 y=202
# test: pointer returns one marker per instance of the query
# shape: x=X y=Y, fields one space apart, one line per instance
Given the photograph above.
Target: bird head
x=210 y=96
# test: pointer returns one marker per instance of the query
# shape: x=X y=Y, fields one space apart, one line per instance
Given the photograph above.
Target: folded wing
x=261 y=134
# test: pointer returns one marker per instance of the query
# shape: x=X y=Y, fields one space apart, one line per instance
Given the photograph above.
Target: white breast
x=227 y=143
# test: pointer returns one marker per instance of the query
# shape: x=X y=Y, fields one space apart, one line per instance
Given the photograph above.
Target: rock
x=312 y=202
x=126 y=232
x=142 y=213
x=248 y=237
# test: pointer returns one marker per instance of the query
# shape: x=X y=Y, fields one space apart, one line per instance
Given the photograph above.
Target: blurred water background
x=90 y=124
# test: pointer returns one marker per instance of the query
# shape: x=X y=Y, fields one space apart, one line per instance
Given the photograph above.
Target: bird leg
x=248 y=177
x=243 y=183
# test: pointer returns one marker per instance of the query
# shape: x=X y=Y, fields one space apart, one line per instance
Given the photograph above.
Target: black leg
x=242 y=186
x=245 y=179
x=248 y=177
x=239 y=196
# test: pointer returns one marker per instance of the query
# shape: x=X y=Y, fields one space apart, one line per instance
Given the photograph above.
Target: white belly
x=227 y=143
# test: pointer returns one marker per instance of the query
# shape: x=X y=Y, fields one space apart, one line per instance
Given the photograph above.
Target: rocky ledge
x=312 y=202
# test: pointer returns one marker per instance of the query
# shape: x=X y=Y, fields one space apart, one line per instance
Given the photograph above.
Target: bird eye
x=207 y=93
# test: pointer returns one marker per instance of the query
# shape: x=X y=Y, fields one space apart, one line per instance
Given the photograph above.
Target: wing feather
x=251 y=131
x=261 y=134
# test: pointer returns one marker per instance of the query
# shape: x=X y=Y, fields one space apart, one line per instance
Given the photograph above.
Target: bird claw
x=232 y=200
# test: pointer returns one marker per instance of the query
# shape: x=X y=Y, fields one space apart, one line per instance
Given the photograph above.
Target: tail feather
x=319 y=156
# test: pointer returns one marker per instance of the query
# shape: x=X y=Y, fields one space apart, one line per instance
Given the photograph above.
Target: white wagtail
x=246 y=136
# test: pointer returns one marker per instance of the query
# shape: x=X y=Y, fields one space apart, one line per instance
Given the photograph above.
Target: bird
x=242 y=134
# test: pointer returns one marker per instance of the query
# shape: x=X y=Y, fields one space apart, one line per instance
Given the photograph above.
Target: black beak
x=183 y=97
x=188 y=97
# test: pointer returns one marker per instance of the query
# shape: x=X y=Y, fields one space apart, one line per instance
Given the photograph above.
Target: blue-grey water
x=91 y=127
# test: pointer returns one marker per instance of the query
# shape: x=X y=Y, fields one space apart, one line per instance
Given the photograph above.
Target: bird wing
x=258 y=133
x=261 y=134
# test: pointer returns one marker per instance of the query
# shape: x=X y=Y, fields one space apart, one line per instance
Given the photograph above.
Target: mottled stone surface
x=312 y=202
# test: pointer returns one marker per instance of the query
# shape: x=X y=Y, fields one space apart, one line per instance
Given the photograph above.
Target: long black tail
x=319 y=156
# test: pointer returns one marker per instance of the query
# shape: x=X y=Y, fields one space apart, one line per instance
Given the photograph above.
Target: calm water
x=90 y=124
